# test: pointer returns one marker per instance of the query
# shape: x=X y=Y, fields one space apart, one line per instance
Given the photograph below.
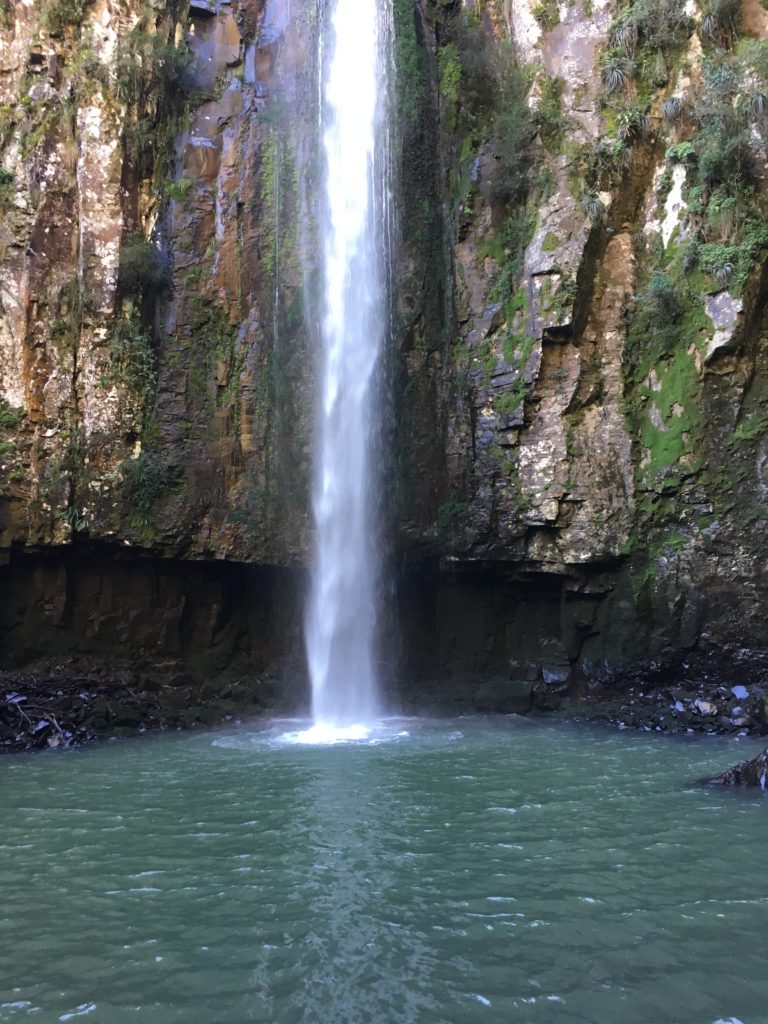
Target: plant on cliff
x=446 y=526
x=7 y=186
x=682 y=153
x=719 y=261
x=10 y=417
x=143 y=273
x=62 y=14
x=674 y=108
x=179 y=190
x=725 y=194
x=151 y=81
x=757 y=104
x=616 y=70
x=667 y=327
x=719 y=23
x=410 y=61
x=146 y=480
x=473 y=72
x=549 y=113
x=89 y=73
x=514 y=131
x=132 y=355
x=593 y=206
x=631 y=122
x=546 y=13
x=659 y=302
x=658 y=25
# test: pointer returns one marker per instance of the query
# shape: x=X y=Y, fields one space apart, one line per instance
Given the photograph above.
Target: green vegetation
x=132 y=359
x=63 y=14
x=449 y=66
x=726 y=207
x=514 y=129
x=178 y=190
x=720 y=21
x=517 y=347
x=215 y=341
x=143 y=273
x=667 y=330
x=551 y=121
x=152 y=84
x=682 y=153
x=89 y=74
x=447 y=520
x=410 y=61
x=511 y=243
x=650 y=25
x=617 y=70
x=644 y=41
x=546 y=13
x=7 y=186
x=593 y=206
x=10 y=418
x=550 y=242
x=146 y=480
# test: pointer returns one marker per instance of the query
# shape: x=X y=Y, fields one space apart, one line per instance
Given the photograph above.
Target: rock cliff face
x=580 y=354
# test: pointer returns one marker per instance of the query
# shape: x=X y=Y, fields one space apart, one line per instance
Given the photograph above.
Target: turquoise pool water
x=472 y=870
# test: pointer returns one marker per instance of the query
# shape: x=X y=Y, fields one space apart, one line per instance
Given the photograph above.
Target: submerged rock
x=752 y=773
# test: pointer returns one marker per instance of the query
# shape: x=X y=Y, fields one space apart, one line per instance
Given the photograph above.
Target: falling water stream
x=342 y=616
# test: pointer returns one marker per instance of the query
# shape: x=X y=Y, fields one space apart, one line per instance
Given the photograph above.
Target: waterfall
x=343 y=606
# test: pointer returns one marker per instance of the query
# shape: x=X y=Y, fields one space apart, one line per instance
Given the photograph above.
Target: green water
x=471 y=871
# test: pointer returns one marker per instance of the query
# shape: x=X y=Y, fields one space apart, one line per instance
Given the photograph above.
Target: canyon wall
x=579 y=347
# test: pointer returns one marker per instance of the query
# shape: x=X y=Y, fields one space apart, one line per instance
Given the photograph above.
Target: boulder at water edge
x=747 y=773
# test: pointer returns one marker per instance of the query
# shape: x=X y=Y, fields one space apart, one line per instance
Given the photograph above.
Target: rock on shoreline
x=752 y=773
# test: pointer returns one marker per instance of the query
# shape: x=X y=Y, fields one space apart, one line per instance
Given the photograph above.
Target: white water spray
x=343 y=612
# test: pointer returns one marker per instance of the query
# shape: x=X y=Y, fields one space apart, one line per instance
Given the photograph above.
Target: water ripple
x=474 y=871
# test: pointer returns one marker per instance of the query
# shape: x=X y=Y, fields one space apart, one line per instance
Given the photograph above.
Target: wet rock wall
x=578 y=357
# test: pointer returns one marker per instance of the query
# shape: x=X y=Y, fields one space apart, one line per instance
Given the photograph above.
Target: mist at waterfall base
x=474 y=870
x=342 y=614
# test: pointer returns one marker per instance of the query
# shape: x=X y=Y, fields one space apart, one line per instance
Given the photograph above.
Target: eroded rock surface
x=580 y=355
x=753 y=773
